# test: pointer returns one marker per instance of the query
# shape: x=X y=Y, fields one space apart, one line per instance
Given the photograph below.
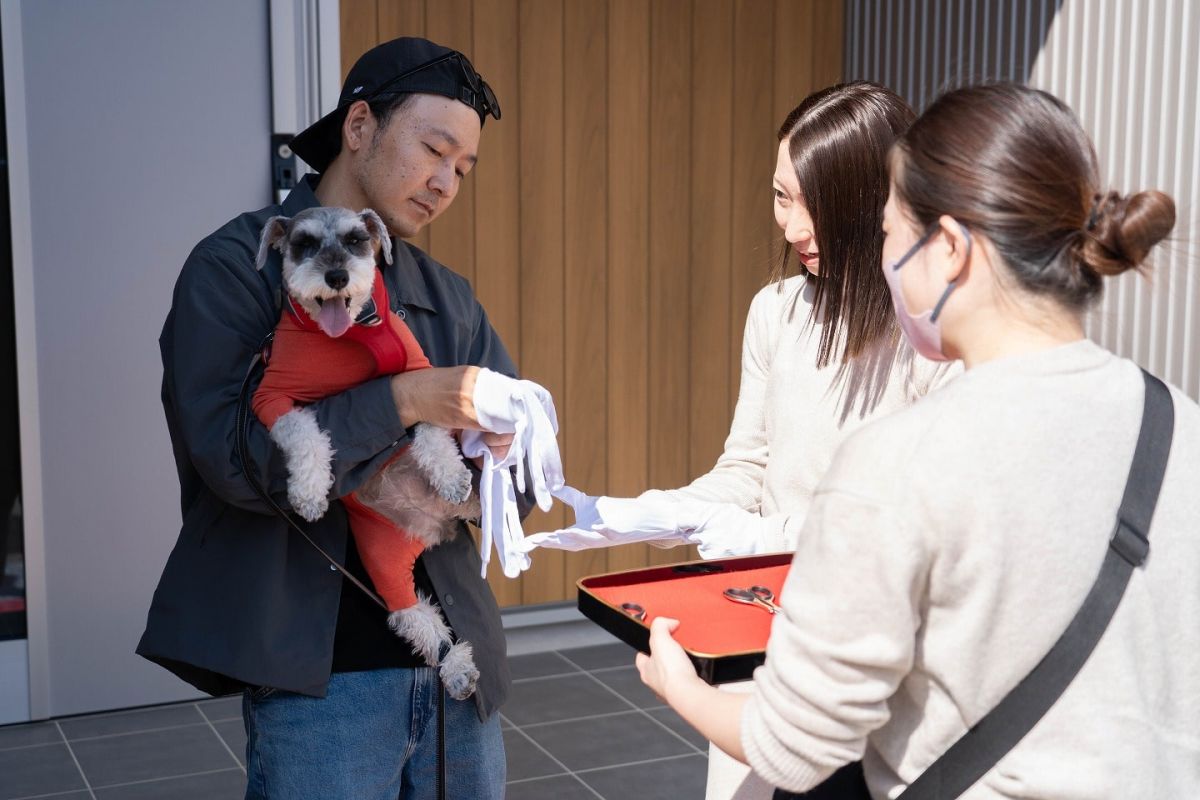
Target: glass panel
x=12 y=551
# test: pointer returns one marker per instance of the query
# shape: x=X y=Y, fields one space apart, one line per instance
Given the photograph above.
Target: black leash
x=250 y=469
x=441 y=745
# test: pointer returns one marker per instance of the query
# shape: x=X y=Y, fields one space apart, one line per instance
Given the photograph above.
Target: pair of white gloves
x=719 y=529
x=526 y=410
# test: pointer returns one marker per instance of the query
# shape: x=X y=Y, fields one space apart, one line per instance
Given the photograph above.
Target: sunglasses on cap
x=477 y=94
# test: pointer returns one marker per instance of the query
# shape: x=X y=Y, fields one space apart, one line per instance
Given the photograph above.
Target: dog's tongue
x=334 y=319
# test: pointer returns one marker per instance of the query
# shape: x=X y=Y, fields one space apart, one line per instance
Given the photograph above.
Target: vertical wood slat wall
x=619 y=220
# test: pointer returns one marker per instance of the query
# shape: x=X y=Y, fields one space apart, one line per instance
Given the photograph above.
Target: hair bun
x=1121 y=230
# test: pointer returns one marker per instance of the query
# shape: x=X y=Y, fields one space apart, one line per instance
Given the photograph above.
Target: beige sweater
x=945 y=552
x=791 y=416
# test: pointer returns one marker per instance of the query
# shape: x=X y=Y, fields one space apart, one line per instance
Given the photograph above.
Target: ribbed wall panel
x=1131 y=71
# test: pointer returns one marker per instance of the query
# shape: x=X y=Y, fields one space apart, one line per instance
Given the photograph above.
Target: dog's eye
x=304 y=243
x=354 y=241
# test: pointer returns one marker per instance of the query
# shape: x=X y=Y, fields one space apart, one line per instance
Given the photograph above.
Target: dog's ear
x=274 y=234
x=378 y=231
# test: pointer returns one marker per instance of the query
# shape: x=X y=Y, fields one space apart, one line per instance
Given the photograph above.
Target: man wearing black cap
x=335 y=706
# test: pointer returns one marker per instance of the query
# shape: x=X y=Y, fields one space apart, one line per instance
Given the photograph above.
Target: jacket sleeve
x=221 y=314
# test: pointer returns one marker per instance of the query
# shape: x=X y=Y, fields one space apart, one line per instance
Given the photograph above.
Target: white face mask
x=922 y=330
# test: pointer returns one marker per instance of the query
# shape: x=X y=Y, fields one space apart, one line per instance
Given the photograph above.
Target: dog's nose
x=337 y=278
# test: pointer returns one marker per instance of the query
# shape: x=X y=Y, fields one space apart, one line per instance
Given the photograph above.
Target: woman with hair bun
x=951 y=543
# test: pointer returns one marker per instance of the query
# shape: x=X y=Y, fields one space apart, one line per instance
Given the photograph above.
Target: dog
x=336 y=331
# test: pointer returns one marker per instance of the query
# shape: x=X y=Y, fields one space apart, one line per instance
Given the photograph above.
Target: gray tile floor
x=579 y=724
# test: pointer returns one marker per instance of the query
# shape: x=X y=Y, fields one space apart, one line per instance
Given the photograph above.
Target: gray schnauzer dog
x=335 y=312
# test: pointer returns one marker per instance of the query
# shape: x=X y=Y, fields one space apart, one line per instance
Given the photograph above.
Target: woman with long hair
x=821 y=357
x=951 y=544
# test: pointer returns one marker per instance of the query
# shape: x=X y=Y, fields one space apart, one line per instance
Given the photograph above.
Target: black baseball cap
x=408 y=65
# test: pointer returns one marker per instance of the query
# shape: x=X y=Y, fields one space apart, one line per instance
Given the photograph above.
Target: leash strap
x=980 y=748
x=441 y=742
x=250 y=470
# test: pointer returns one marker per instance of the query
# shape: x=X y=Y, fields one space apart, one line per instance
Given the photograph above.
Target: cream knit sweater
x=791 y=416
x=944 y=553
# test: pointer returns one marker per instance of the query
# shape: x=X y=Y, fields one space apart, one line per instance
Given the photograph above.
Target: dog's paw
x=456 y=487
x=423 y=628
x=458 y=672
x=307 y=506
x=440 y=461
x=309 y=453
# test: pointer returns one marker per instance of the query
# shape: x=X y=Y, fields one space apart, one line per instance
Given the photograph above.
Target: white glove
x=526 y=410
x=608 y=521
x=499 y=517
x=724 y=529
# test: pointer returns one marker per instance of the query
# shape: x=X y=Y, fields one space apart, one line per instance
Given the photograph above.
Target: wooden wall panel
x=452 y=235
x=359 y=30
x=619 y=219
x=628 y=261
x=497 y=176
x=753 y=151
x=398 y=18
x=828 y=43
x=712 y=168
x=497 y=179
x=542 y=236
x=670 y=247
x=584 y=404
x=793 y=56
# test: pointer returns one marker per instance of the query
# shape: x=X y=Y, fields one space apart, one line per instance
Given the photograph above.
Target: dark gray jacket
x=243 y=600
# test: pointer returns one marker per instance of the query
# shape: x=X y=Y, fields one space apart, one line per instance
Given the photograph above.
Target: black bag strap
x=980 y=748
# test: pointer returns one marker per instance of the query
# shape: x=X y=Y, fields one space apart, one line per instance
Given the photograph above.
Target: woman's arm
x=842 y=644
x=669 y=673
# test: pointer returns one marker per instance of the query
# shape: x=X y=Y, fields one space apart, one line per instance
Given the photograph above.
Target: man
x=335 y=705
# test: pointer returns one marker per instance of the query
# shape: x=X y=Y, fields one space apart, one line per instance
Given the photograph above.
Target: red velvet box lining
x=709 y=623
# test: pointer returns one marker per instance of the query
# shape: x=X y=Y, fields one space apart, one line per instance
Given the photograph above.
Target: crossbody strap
x=980 y=748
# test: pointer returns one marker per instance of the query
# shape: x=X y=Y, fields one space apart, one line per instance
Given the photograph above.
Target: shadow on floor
x=579 y=724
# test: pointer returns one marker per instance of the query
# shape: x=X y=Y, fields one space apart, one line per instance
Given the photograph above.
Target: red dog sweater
x=307 y=365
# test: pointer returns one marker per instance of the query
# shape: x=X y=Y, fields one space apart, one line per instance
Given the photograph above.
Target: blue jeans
x=373 y=737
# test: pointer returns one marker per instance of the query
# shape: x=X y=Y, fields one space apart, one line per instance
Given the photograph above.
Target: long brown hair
x=1014 y=164
x=839 y=139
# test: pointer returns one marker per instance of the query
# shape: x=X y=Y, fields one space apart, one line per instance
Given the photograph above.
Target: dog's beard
x=334 y=311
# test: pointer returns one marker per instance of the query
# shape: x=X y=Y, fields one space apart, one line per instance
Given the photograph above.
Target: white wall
x=147 y=125
x=1131 y=70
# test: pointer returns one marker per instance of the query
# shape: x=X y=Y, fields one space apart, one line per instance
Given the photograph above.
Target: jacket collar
x=406 y=283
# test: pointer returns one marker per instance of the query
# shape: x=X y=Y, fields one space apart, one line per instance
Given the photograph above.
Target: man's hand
x=498 y=443
x=442 y=396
